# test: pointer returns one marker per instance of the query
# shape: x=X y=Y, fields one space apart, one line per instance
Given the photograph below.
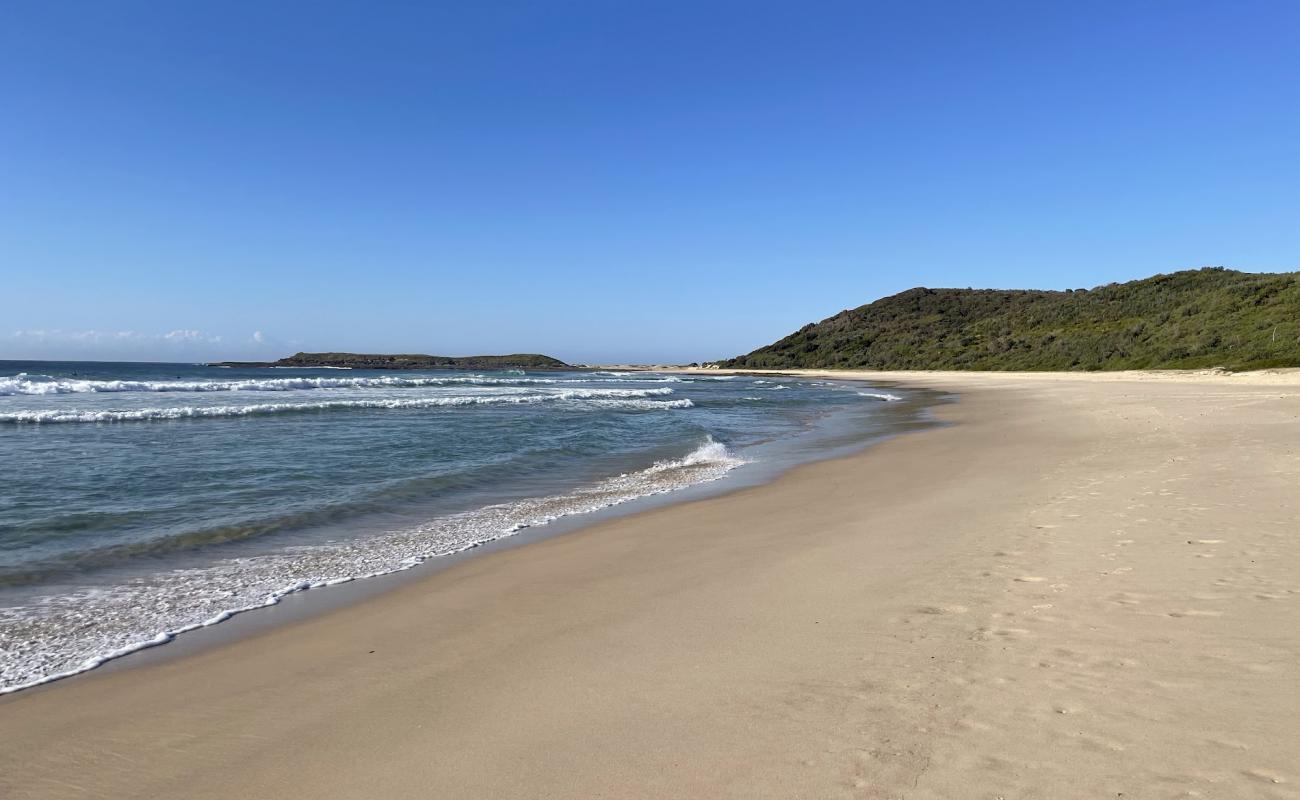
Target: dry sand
x=1089 y=587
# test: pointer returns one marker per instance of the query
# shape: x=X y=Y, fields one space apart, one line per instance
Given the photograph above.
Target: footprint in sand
x=1260 y=669
x=1101 y=744
x=943 y=610
x=971 y=725
x=1267 y=776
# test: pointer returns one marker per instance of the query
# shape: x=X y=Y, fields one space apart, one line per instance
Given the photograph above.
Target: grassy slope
x=1197 y=318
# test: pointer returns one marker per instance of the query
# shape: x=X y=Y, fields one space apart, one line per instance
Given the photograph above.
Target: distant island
x=406 y=361
x=1212 y=317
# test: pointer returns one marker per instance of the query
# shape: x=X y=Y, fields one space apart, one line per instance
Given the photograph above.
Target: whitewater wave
x=885 y=396
x=29 y=384
x=630 y=399
x=68 y=634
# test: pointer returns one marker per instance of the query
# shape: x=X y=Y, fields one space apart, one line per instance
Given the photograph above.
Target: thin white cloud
x=180 y=344
x=56 y=335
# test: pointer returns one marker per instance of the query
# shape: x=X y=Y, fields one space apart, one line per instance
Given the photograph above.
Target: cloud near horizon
x=180 y=335
x=187 y=343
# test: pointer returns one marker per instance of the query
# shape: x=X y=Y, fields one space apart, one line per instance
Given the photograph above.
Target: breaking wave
x=630 y=399
x=64 y=635
x=29 y=384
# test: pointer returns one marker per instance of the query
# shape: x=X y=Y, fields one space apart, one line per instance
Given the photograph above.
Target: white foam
x=64 y=635
x=880 y=396
x=26 y=384
x=30 y=384
x=634 y=399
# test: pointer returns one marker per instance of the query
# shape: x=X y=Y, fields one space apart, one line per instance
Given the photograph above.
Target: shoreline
x=1083 y=587
x=294 y=603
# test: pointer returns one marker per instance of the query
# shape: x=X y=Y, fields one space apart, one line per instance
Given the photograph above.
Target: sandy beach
x=1088 y=586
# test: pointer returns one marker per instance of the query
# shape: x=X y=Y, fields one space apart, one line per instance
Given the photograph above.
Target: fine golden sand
x=1088 y=587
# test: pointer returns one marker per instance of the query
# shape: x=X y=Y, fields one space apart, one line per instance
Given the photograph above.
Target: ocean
x=139 y=501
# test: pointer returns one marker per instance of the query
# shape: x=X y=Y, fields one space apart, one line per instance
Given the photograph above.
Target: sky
x=614 y=181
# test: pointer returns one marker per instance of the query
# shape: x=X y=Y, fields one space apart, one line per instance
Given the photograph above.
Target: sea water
x=138 y=501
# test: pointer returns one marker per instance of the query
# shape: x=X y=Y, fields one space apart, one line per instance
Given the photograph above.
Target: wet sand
x=1089 y=586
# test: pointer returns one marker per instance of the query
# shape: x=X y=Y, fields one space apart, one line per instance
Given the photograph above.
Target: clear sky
x=614 y=180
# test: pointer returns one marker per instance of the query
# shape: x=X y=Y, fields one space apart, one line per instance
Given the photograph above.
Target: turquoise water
x=140 y=500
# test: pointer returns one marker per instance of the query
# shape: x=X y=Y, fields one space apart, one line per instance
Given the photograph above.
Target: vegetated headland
x=1212 y=317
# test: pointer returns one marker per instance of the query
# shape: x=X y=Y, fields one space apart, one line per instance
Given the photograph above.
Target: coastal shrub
x=1211 y=317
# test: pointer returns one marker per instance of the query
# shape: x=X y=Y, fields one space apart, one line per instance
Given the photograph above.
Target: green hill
x=1210 y=317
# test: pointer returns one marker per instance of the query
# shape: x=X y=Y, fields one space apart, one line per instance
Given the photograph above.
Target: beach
x=1087 y=585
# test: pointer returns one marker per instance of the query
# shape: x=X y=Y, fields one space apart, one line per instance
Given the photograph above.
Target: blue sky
x=614 y=180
